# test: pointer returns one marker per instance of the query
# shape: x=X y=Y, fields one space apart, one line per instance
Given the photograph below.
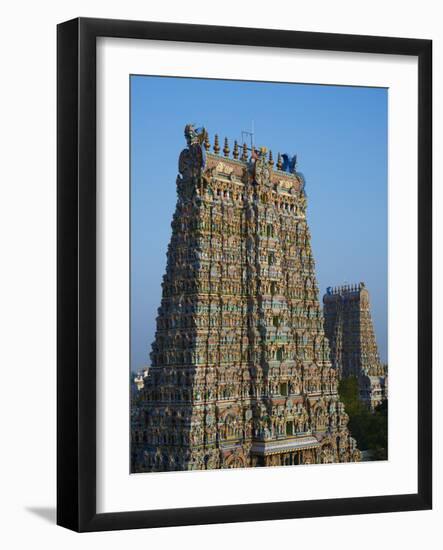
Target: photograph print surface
x=258 y=274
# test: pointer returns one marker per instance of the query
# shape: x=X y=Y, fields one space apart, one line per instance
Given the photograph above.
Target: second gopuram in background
x=354 y=351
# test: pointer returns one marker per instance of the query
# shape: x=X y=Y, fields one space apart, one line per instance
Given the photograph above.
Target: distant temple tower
x=240 y=371
x=354 y=352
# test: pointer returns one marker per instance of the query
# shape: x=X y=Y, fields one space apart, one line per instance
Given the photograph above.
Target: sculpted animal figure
x=289 y=163
x=195 y=138
x=194 y=135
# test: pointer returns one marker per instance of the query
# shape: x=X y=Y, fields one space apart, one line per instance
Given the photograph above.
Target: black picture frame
x=76 y=266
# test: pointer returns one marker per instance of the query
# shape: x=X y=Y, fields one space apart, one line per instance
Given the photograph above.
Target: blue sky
x=339 y=134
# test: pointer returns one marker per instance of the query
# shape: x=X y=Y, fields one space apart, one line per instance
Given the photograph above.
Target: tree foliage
x=370 y=429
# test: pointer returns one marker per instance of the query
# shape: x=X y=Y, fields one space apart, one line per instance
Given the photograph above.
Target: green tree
x=370 y=429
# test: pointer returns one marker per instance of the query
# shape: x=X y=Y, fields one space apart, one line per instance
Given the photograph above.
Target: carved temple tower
x=240 y=371
x=354 y=351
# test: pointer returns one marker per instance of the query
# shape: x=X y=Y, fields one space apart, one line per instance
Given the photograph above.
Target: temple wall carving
x=240 y=369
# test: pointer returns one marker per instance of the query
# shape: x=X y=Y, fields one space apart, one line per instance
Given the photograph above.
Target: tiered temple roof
x=240 y=370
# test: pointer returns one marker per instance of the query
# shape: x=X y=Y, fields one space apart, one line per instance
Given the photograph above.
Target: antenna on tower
x=249 y=135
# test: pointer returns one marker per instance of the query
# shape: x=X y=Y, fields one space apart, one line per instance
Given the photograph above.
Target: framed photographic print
x=244 y=274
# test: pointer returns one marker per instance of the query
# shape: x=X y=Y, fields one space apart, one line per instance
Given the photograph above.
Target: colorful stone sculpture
x=240 y=371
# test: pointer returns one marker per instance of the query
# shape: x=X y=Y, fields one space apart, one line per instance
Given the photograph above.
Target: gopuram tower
x=240 y=372
x=354 y=351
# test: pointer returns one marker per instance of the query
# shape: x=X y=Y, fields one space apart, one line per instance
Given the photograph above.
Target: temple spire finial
x=271 y=160
x=235 y=152
x=207 y=143
x=216 y=145
x=279 y=162
x=226 y=148
x=244 y=155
